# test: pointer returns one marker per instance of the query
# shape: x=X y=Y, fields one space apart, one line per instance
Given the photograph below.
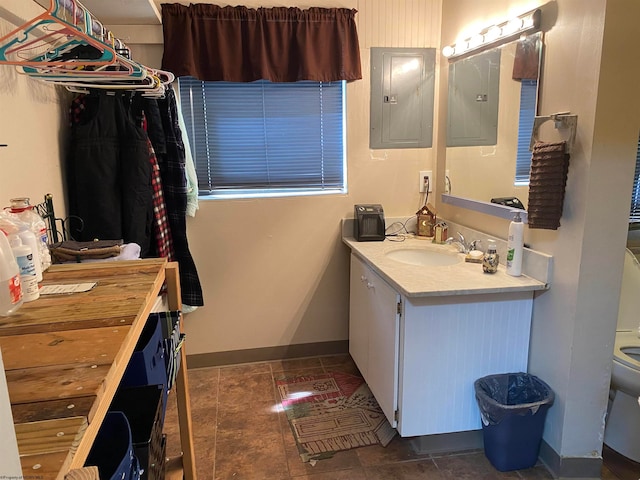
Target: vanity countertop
x=462 y=278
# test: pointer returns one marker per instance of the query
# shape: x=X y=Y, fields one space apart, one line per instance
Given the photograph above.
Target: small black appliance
x=368 y=223
x=512 y=202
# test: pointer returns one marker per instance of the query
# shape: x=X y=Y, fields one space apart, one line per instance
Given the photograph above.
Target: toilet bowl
x=622 y=431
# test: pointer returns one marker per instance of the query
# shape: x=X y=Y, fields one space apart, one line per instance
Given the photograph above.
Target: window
x=266 y=139
x=528 y=95
x=634 y=215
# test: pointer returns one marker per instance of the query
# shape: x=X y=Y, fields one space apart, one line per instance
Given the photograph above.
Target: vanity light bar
x=495 y=35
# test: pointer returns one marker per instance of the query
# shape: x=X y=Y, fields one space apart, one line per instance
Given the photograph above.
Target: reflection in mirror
x=492 y=105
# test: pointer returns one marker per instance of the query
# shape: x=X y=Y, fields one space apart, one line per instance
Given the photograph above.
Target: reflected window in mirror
x=528 y=97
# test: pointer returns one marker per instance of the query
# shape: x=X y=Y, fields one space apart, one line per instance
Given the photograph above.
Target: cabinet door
x=359 y=313
x=373 y=334
x=383 y=346
x=447 y=344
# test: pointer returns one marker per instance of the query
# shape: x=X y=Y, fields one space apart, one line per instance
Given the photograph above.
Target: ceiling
x=120 y=12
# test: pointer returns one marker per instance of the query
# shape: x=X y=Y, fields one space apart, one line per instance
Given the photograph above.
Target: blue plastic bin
x=147 y=365
x=143 y=408
x=112 y=450
x=513 y=407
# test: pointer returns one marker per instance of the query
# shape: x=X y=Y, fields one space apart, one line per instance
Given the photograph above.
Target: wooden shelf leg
x=182 y=381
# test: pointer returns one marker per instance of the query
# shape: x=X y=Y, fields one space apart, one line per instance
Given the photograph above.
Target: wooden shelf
x=65 y=355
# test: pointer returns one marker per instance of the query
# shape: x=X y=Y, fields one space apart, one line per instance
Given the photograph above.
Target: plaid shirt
x=161 y=230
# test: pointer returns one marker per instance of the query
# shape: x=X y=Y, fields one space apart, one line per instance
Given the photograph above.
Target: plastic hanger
x=65 y=24
x=68 y=46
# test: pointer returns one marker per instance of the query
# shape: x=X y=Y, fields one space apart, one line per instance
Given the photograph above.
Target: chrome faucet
x=458 y=242
x=462 y=245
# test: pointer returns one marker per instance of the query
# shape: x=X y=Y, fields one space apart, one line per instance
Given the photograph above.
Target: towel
x=547 y=181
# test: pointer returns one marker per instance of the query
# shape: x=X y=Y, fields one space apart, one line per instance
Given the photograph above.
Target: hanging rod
x=562 y=121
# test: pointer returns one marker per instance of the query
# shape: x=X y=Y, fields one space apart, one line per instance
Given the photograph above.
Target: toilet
x=622 y=431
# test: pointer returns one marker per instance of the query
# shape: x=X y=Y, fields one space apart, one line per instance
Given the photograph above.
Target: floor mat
x=332 y=412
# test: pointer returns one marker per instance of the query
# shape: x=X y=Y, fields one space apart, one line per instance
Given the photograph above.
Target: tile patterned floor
x=240 y=434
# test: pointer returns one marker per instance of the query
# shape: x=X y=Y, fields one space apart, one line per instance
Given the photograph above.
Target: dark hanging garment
x=166 y=137
x=161 y=244
x=108 y=172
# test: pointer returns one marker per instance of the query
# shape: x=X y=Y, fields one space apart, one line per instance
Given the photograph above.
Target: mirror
x=485 y=135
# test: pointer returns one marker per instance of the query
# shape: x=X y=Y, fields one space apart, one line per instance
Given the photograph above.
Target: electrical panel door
x=402 y=91
x=474 y=86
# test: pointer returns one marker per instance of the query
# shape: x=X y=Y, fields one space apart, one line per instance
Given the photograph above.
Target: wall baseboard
x=570 y=467
x=284 y=352
x=448 y=442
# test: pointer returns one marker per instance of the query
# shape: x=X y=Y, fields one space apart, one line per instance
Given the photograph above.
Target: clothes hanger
x=68 y=46
x=49 y=35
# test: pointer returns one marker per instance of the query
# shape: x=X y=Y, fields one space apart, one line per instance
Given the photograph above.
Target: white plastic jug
x=10 y=288
x=25 y=212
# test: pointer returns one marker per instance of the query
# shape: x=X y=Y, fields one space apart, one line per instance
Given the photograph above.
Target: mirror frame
x=488 y=208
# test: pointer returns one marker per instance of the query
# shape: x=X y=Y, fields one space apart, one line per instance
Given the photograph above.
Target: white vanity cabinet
x=421 y=354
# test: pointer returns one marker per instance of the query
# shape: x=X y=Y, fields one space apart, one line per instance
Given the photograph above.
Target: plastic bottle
x=28 y=278
x=25 y=212
x=490 y=259
x=515 y=244
x=10 y=289
x=28 y=238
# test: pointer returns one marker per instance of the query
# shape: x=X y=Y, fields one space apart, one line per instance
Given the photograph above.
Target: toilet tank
x=629 y=309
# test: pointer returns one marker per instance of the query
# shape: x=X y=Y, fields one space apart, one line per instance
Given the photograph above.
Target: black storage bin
x=143 y=408
x=112 y=451
x=147 y=366
x=513 y=407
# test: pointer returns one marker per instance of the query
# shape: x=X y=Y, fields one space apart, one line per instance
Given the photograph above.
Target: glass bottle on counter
x=490 y=260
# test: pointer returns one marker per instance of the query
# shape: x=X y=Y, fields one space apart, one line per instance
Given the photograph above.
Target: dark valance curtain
x=239 y=44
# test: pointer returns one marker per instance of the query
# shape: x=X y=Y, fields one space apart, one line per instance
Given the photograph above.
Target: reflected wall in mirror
x=487 y=135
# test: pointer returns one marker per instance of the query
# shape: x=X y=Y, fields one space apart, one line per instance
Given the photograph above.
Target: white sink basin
x=424 y=257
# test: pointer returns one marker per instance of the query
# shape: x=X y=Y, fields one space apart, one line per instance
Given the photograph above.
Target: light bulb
x=460 y=47
x=493 y=33
x=512 y=26
x=476 y=41
x=448 y=51
x=527 y=22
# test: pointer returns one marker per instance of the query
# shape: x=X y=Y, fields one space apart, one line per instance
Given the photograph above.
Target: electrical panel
x=402 y=93
x=474 y=86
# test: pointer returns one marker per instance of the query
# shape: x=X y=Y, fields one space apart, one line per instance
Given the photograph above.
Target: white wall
x=31 y=124
x=586 y=71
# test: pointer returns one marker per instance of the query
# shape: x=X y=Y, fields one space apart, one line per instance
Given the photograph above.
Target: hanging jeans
x=109 y=173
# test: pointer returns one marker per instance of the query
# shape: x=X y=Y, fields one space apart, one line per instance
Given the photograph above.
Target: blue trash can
x=513 y=407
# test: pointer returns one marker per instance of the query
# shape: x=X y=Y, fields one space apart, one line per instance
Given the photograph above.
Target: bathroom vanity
x=424 y=326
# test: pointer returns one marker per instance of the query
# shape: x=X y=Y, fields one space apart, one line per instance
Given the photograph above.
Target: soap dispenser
x=490 y=260
x=515 y=244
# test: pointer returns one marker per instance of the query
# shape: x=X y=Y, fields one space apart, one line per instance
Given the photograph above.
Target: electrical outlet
x=429 y=174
